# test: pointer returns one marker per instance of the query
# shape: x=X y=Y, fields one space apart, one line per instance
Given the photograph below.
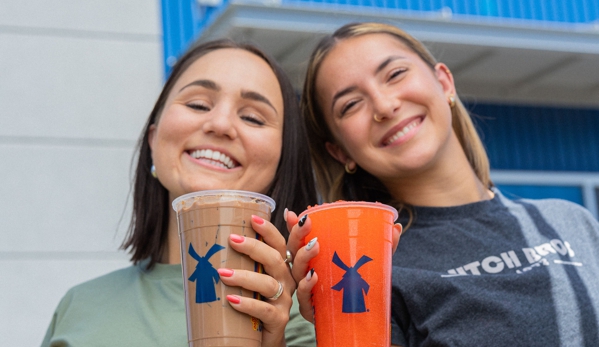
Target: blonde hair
x=333 y=184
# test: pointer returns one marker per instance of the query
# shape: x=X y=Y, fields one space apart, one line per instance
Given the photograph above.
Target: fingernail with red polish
x=257 y=220
x=225 y=272
x=234 y=299
x=236 y=238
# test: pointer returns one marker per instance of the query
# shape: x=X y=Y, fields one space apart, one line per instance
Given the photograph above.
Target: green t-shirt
x=135 y=307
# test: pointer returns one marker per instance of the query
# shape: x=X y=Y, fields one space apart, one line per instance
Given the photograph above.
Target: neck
x=172 y=252
x=450 y=182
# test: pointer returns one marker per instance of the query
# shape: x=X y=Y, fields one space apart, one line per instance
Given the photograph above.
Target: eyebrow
x=208 y=84
x=247 y=94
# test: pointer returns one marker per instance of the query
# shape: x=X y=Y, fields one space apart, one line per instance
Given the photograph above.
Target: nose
x=384 y=105
x=221 y=122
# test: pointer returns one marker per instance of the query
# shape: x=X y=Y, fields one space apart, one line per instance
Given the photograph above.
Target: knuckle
x=270 y=310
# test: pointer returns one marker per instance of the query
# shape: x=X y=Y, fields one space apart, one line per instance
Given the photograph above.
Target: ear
x=445 y=78
x=151 y=133
x=397 y=231
x=337 y=152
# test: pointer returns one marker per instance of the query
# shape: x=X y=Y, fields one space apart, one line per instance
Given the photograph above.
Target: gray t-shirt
x=498 y=273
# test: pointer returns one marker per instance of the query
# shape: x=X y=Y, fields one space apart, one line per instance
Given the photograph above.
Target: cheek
x=354 y=135
x=265 y=149
x=174 y=125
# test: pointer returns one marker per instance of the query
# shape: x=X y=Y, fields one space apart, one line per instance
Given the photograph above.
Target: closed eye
x=252 y=119
x=348 y=106
x=396 y=73
x=198 y=107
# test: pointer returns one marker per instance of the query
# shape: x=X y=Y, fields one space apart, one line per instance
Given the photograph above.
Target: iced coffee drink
x=205 y=220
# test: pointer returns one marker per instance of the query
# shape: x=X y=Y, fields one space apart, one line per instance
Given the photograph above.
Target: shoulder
x=100 y=288
x=547 y=207
x=114 y=279
x=552 y=208
x=561 y=214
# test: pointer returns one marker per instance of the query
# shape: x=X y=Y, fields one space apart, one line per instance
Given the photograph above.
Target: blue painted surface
x=570 y=11
x=573 y=194
x=539 y=138
x=184 y=20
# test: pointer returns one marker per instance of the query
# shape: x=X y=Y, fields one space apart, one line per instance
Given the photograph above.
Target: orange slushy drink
x=352 y=299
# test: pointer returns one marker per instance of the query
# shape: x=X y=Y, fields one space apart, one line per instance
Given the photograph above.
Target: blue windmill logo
x=353 y=285
x=205 y=275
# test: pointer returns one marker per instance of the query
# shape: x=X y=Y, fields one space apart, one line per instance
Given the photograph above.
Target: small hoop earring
x=376 y=119
x=352 y=171
x=153 y=171
x=451 y=101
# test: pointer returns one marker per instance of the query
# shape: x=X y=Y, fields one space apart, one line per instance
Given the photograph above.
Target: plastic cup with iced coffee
x=205 y=220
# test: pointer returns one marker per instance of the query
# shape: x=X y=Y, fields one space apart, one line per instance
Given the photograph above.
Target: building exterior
x=528 y=70
x=79 y=78
x=77 y=82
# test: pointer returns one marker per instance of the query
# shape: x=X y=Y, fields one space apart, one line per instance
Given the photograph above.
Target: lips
x=214 y=157
x=398 y=132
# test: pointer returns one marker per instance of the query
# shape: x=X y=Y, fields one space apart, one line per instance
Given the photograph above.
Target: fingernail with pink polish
x=309 y=275
x=236 y=238
x=234 y=299
x=285 y=214
x=257 y=220
x=311 y=244
x=223 y=272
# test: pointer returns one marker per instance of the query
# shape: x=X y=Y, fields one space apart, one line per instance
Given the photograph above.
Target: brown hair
x=332 y=181
x=292 y=187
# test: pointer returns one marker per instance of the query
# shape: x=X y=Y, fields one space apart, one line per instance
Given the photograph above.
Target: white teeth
x=214 y=158
x=402 y=132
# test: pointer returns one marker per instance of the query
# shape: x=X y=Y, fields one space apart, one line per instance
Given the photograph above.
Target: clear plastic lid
x=341 y=204
x=187 y=200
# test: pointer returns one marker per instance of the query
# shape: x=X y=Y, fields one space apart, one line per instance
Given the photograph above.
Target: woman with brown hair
x=473 y=268
x=227 y=118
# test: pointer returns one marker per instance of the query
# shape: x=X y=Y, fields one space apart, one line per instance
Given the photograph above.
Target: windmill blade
x=215 y=248
x=337 y=261
x=363 y=260
x=193 y=253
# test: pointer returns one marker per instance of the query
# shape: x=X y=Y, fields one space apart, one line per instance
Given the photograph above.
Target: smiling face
x=221 y=126
x=377 y=75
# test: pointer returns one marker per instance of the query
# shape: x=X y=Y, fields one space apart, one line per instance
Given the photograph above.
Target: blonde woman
x=473 y=268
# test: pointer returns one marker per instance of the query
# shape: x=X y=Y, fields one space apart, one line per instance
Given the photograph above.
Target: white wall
x=77 y=81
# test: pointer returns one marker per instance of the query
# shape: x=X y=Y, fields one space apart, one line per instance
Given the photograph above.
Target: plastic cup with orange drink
x=352 y=299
